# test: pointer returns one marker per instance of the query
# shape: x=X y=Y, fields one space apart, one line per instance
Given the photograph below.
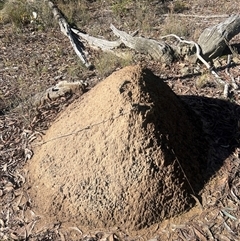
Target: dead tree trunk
x=214 y=40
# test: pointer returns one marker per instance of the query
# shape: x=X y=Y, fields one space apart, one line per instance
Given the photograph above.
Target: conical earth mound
x=128 y=153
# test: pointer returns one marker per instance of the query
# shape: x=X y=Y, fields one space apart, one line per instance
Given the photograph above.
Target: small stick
x=198 y=51
x=229 y=60
x=196 y=16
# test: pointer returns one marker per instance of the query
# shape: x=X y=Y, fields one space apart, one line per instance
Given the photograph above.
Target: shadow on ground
x=221 y=125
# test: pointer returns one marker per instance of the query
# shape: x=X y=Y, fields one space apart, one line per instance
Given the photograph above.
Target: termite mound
x=128 y=153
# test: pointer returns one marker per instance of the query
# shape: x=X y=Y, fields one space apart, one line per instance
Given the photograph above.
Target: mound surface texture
x=119 y=156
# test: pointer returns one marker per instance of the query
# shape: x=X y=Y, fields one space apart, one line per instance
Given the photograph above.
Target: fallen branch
x=158 y=50
x=61 y=89
x=103 y=44
x=67 y=30
x=195 y=16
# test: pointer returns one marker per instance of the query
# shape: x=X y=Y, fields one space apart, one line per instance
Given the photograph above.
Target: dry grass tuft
x=21 y=13
x=17 y=12
x=179 y=6
x=107 y=62
x=173 y=25
x=202 y=80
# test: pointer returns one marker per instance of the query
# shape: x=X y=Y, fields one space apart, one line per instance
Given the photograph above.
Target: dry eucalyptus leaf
x=28 y=154
x=8 y=189
x=2 y=223
x=14 y=237
x=5 y=167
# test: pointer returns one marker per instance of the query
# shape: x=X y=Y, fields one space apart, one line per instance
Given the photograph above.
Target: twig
x=229 y=60
x=9 y=69
x=228 y=215
x=198 y=54
x=226 y=90
x=196 y=16
x=235 y=197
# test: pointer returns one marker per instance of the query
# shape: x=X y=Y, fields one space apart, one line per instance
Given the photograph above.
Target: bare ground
x=34 y=60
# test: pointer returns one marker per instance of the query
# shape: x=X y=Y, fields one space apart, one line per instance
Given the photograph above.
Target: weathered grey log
x=214 y=40
x=158 y=50
x=103 y=44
